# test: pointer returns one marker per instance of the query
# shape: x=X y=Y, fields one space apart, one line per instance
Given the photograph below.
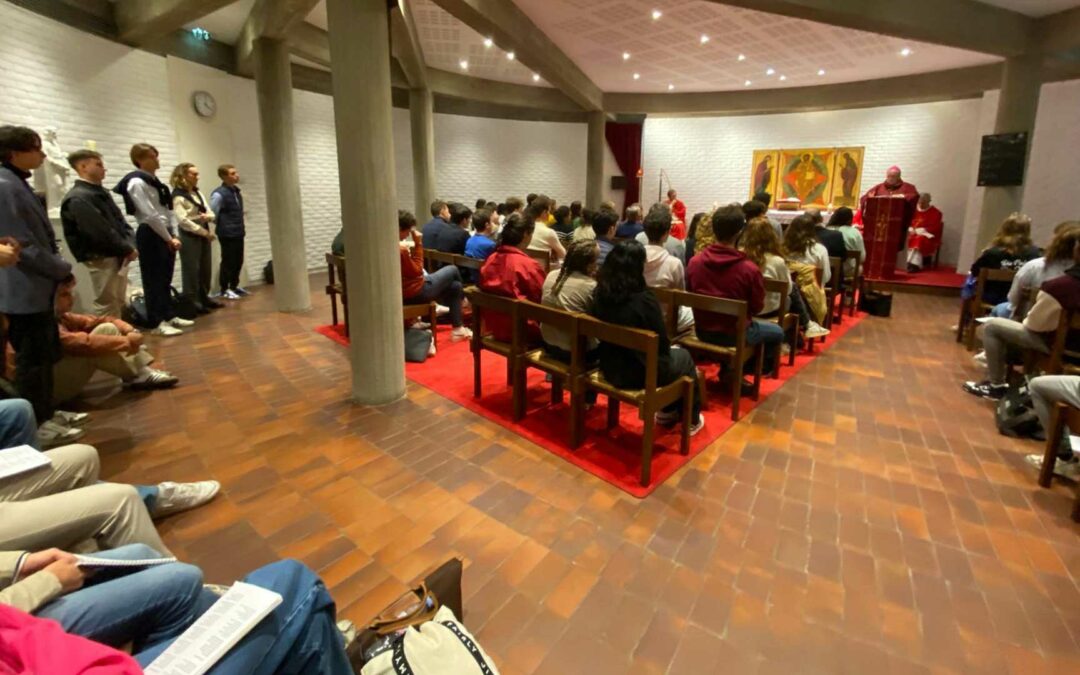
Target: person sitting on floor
x=1001 y=337
x=92 y=343
x=544 y=238
x=419 y=287
x=604 y=225
x=622 y=298
x=570 y=288
x=806 y=258
x=584 y=229
x=512 y=273
x=1056 y=261
x=482 y=244
x=723 y=271
x=149 y=607
x=841 y=221
x=1009 y=250
x=662 y=268
x=64 y=504
x=1047 y=391
x=924 y=236
x=675 y=247
x=632 y=226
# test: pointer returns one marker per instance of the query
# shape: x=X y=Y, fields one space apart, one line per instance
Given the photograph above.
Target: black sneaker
x=986 y=389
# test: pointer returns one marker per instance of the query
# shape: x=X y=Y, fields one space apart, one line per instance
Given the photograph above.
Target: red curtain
x=624 y=139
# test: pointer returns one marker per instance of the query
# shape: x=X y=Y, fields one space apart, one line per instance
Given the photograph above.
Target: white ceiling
x=1035 y=7
x=226 y=23
x=595 y=33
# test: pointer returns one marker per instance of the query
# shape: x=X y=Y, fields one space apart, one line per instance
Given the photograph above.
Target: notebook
x=91 y=561
x=20 y=459
x=214 y=633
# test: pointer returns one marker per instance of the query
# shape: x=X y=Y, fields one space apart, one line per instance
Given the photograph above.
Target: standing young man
x=28 y=287
x=150 y=202
x=228 y=206
x=97 y=233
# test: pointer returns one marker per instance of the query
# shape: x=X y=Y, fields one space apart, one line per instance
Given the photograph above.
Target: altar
x=785 y=217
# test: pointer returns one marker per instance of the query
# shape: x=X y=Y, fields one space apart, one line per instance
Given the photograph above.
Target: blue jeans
x=147 y=606
x=444 y=287
x=17 y=424
x=759 y=332
x=299 y=636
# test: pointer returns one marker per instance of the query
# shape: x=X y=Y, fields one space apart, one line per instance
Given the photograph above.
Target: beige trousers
x=64 y=506
x=109 y=277
x=71 y=373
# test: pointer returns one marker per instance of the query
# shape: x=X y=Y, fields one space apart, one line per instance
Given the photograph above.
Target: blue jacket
x=430 y=228
x=479 y=246
x=29 y=286
x=628 y=229
x=445 y=237
x=228 y=206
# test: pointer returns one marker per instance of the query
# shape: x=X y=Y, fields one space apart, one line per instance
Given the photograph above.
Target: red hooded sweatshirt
x=724 y=272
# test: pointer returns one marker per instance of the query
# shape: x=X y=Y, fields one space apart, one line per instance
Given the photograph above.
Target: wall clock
x=204 y=104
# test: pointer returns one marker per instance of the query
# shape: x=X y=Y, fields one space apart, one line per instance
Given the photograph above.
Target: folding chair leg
x=647 y=447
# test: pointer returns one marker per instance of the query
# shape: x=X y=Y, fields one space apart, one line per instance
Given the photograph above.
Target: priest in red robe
x=678 y=214
x=924 y=240
x=893 y=186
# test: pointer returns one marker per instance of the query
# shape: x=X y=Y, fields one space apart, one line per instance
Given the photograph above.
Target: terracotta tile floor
x=866 y=518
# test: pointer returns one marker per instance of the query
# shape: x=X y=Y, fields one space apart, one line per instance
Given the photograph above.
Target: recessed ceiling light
x=536 y=78
x=488 y=42
x=671 y=87
x=626 y=56
x=464 y=64
x=770 y=71
x=656 y=14
x=821 y=71
x=906 y=51
x=742 y=57
x=747 y=83
x=704 y=39
x=783 y=78
x=510 y=56
x=637 y=76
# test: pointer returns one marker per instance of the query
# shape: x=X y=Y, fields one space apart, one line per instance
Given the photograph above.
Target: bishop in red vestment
x=894 y=185
x=678 y=214
x=924 y=239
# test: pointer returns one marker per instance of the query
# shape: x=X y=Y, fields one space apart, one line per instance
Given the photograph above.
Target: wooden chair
x=834 y=290
x=335 y=286
x=736 y=355
x=542 y=257
x=483 y=303
x=977 y=306
x=788 y=321
x=436 y=260
x=854 y=288
x=562 y=374
x=650 y=399
x=1063 y=416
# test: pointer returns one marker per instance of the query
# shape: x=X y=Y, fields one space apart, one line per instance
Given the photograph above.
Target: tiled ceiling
x=226 y=23
x=1035 y=7
x=669 y=51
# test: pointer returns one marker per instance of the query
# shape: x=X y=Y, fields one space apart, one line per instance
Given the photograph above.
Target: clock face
x=204 y=103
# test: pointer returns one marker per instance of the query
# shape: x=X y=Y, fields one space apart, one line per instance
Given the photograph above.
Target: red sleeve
x=411 y=267
x=533 y=281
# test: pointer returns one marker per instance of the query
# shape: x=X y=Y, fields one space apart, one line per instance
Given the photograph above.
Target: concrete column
x=1019 y=102
x=360 y=59
x=422 y=123
x=594 y=160
x=273 y=85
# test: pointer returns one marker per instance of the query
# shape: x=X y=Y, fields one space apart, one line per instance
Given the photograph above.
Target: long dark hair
x=800 y=236
x=581 y=255
x=698 y=217
x=515 y=230
x=622 y=274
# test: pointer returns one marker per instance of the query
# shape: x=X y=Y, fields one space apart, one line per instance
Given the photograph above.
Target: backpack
x=135 y=311
x=182 y=305
x=1015 y=415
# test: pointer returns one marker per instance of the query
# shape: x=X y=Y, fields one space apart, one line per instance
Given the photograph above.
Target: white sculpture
x=52 y=179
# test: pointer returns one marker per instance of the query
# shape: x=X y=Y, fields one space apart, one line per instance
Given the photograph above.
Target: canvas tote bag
x=442 y=646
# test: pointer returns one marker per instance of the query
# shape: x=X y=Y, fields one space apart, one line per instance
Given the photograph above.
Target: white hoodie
x=664 y=270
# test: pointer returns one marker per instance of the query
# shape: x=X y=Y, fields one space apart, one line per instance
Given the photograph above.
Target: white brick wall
x=1052 y=180
x=709 y=158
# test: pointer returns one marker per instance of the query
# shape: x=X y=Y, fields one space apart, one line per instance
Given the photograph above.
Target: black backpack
x=1015 y=415
x=135 y=312
x=183 y=305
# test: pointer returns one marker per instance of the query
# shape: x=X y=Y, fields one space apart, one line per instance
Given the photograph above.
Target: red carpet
x=616 y=458
x=942 y=277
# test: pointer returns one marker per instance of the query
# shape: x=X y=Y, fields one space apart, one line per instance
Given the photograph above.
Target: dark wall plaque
x=1002 y=160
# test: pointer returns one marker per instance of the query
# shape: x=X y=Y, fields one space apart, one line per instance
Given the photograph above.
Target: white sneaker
x=441 y=310
x=177 y=322
x=50 y=434
x=697 y=426
x=815 y=330
x=980 y=359
x=1063 y=469
x=69 y=419
x=460 y=333
x=177 y=497
x=231 y=295
x=152 y=378
x=431 y=349
x=166 y=330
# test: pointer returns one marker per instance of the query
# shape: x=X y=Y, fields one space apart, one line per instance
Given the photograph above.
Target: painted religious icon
x=764 y=172
x=807 y=175
x=848 y=181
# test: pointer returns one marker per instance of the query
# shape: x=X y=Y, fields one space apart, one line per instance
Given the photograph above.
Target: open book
x=92 y=561
x=213 y=634
x=20 y=459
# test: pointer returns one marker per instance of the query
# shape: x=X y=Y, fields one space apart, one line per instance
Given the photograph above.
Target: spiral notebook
x=20 y=459
x=92 y=561
x=214 y=633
